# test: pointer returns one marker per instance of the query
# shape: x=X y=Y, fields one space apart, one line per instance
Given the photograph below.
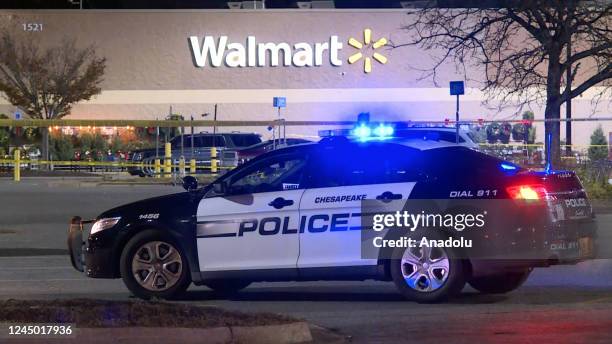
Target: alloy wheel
x=425 y=269
x=157 y=266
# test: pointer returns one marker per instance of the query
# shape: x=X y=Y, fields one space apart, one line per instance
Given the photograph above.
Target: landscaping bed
x=87 y=313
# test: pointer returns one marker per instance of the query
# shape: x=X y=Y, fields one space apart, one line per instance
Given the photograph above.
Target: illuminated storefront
x=329 y=64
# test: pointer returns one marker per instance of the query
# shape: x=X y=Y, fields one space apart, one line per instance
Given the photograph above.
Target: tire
x=500 y=284
x=418 y=273
x=157 y=251
x=227 y=287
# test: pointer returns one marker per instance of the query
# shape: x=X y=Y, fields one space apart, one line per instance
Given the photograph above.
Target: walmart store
x=329 y=64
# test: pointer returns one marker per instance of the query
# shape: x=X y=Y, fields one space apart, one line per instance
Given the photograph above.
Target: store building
x=329 y=64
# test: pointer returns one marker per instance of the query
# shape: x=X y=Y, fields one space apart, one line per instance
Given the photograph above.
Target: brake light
x=527 y=192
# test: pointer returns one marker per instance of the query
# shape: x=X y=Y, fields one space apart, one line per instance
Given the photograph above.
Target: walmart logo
x=367 y=50
x=220 y=51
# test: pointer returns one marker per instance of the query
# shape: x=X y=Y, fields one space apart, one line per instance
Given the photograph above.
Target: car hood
x=160 y=204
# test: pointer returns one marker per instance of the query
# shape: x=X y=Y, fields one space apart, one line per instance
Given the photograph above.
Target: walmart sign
x=253 y=54
x=216 y=52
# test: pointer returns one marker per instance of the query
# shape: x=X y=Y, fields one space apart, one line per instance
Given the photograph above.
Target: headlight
x=103 y=224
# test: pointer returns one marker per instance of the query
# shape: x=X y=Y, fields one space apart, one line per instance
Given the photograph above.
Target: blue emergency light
x=362 y=131
x=383 y=131
x=508 y=167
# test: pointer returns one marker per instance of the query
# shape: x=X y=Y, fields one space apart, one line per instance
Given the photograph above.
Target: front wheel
x=500 y=284
x=153 y=265
x=427 y=274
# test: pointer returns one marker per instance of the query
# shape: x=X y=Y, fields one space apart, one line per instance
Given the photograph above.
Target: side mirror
x=190 y=183
x=220 y=188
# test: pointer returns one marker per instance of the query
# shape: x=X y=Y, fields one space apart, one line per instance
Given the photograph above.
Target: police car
x=294 y=214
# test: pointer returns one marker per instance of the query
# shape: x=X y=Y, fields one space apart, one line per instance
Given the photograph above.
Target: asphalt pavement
x=562 y=304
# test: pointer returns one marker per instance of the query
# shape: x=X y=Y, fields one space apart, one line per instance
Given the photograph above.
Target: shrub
x=95 y=144
x=61 y=147
x=599 y=150
x=594 y=177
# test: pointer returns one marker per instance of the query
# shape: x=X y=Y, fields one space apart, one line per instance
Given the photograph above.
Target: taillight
x=527 y=192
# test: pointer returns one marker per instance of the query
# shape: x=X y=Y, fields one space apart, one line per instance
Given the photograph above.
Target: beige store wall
x=150 y=68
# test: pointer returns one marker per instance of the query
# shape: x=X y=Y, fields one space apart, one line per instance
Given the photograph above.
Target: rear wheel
x=153 y=265
x=427 y=274
x=499 y=284
x=227 y=287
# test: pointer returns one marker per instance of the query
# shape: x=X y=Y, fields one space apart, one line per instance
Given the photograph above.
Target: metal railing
x=158 y=168
x=167 y=165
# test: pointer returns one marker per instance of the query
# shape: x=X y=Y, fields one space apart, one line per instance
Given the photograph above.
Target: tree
x=62 y=148
x=599 y=145
x=521 y=47
x=5 y=135
x=525 y=131
x=46 y=83
x=499 y=131
x=93 y=144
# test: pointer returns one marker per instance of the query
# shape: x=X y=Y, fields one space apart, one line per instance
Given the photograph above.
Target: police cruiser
x=293 y=214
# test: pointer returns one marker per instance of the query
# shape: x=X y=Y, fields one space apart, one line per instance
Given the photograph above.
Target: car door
x=339 y=179
x=203 y=144
x=253 y=224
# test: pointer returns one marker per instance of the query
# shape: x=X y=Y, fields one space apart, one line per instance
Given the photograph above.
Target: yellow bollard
x=168 y=160
x=17 y=167
x=182 y=166
x=157 y=168
x=213 y=160
x=192 y=166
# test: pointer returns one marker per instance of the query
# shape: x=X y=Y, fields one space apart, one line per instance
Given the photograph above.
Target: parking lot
x=561 y=304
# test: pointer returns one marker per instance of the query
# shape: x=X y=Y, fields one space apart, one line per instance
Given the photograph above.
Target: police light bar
x=362 y=132
x=383 y=130
x=335 y=132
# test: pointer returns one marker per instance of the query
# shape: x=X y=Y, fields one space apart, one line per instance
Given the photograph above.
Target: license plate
x=586 y=248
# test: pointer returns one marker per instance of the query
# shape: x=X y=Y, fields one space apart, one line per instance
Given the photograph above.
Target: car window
x=339 y=166
x=176 y=141
x=433 y=135
x=274 y=174
x=207 y=141
x=452 y=161
x=245 y=140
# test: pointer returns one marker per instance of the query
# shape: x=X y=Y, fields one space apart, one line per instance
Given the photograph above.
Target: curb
x=298 y=332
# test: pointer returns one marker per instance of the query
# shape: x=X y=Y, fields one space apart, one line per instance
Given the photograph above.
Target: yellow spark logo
x=363 y=48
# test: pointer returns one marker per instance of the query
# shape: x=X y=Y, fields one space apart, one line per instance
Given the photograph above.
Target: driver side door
x=254 y=224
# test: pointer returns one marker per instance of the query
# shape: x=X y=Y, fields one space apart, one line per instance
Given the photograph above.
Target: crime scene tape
x=209 y=123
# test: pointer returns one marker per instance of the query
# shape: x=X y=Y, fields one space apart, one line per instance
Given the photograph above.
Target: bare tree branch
x=521 y=48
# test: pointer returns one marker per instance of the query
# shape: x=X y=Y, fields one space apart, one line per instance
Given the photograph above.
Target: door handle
x=280 y=203
x=388 y=196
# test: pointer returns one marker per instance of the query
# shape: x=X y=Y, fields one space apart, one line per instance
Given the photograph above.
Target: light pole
x=157 y=140
x=213 y=149
x=278 y=103
x=457 y=88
